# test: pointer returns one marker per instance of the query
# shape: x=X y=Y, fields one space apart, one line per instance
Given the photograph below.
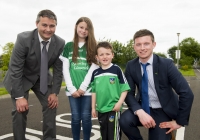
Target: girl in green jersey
x=78 y=64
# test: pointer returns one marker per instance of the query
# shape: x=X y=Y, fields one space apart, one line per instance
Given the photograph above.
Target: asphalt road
x=34 y=125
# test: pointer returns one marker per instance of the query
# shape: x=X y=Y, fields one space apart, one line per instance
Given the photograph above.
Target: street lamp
x=178 y=51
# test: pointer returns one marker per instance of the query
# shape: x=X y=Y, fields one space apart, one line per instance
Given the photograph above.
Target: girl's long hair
x=89 y=41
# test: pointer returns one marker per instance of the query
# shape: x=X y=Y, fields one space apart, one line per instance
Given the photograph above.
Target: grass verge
x=189 y=72
x=3 y=91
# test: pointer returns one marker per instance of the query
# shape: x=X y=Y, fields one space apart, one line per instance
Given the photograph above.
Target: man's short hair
x=143 y=32
x=46 y=13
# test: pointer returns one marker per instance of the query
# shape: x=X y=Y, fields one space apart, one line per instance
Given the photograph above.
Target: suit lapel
x=138 y=71
x=52 y=47
x=139 y=77
x=155 y=72
x=36 y=45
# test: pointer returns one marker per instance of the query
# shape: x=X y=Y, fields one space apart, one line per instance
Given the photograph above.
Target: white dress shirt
x=153 y=97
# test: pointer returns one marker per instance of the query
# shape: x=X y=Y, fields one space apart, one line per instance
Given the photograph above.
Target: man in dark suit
x=166 y=110
x=33 y=54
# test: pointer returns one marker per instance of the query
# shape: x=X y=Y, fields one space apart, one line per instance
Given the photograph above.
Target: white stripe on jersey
x=108 y=74
x=125 y=81
x=78 y=58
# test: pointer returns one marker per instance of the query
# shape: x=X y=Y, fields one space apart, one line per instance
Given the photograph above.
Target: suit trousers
x=20 y=119
x=129 y=123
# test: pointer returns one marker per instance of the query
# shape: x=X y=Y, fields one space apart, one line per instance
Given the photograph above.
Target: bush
x=185 y=67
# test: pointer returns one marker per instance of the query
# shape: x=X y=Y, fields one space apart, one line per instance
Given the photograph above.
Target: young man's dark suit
x=166 y=76
x=24 y=74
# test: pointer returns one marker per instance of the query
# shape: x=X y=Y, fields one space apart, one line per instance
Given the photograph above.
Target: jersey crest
x=112 y=80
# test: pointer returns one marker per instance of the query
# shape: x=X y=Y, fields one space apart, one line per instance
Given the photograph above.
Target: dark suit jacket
x=24 y=66
x=166 y=78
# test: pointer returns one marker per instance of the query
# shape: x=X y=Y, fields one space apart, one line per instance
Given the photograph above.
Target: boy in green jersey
x=109 y=89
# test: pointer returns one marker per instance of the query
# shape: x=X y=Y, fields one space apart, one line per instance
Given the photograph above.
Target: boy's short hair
x=104 y=44
x=143 y=32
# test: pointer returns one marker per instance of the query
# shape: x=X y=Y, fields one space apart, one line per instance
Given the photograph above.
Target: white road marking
x=40 y=133
x=6 y=136
x=60 y=122
x=198 y=70
x=59 y=119
x=28 y=137
x=95 y=132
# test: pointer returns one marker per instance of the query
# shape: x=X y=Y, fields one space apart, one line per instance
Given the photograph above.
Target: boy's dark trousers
x=109 y=125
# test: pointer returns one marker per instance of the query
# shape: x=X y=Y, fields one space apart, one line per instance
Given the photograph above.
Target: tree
x=161 y=54
x=190 y=52
x=123 y=53
x=118 y=52
x=190 y=48
x=7 y=51
x=186 y=60
x=172 y=52
x=129 y=52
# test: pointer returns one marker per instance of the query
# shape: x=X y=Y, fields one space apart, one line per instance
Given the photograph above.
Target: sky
x=112 y=19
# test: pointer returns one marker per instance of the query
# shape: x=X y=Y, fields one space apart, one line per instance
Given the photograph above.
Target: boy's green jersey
x=108 y=85
x=77 y=70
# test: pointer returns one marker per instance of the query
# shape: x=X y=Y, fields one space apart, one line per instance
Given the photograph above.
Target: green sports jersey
x=108 y=85
x=77 y=70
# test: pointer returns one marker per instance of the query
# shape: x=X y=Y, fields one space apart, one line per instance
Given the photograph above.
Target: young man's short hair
x=143 y=32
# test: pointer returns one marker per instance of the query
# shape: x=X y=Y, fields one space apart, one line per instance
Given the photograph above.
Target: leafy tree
x=123 y=53
x=5 y=58
x=161 y=54
x=118 y=52
x=129 y=52
x=186 y=60
x=190 y=52
x=172 y=52
x=191 y=48
x=1 y=62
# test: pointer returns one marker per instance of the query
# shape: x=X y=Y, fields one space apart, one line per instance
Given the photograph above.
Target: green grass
x=63 y=84
x=3 y=91
x=189 y=72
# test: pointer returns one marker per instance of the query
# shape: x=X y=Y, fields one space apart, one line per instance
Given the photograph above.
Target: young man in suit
x=156 y=106
x=33 y=54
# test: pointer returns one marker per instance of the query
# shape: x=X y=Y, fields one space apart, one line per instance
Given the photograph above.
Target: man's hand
x=146 y=120
x=21 y=105
x=172 y=125
x=76 y=94
x=52 y=101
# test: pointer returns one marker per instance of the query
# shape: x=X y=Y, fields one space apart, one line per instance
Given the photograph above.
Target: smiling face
x=144 y=46
x=104 y=56
x=82 y=31
x=46 y=27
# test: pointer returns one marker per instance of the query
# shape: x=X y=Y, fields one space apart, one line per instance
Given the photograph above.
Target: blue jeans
x=81 y=111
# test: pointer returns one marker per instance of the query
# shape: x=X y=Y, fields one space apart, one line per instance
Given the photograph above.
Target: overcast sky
x=112 y=19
